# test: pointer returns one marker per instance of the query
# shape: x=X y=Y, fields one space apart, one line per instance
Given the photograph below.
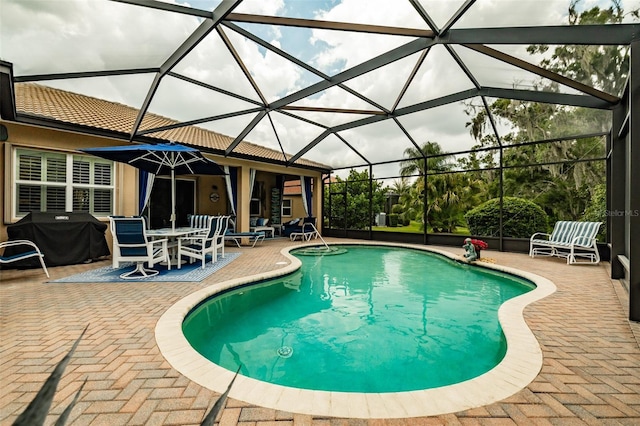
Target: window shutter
x=102 y=201
x=56 y=169
x=55 y=199
x=28 y=198
x=81 y=172
x=102 y=174
x=30 y=167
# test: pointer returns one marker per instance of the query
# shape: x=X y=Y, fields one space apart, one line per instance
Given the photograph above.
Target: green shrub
x=393 y=220
x=521 y=218
x=596 y=210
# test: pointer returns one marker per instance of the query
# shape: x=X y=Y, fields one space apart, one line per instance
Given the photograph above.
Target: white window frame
x=286 y=201
x=68 y=184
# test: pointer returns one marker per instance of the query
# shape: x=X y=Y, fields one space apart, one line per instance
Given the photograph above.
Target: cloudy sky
x=54 y=36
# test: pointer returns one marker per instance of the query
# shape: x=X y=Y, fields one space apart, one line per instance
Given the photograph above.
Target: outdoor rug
x=190 y=272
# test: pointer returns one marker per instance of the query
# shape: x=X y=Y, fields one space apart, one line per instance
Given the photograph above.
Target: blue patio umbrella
x=161 y=159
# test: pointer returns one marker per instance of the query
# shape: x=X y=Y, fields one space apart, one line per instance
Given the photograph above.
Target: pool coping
x=519 y=367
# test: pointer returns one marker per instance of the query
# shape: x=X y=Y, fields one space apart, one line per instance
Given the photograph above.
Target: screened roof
x=339 y=82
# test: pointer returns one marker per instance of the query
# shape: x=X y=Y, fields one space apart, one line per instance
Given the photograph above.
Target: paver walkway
x=590 y=375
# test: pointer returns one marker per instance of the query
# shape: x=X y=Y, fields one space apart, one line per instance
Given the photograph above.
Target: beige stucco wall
x=22 y=136
x=126 y=182
x=297 y=208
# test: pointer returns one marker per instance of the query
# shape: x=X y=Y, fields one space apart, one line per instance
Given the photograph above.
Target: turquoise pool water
x=375 y=319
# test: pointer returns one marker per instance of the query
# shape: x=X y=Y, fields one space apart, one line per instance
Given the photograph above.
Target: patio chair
x=219 y=240
x=31 y=250
x=198 y=220
x=198 y=246
x=131 y=244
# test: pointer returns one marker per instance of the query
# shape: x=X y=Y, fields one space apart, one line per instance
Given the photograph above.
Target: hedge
x=521 y=218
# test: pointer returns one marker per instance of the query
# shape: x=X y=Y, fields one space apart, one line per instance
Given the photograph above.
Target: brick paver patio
x=590 y=375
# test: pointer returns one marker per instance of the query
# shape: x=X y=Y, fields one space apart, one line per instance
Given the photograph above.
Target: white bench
x=569 y=239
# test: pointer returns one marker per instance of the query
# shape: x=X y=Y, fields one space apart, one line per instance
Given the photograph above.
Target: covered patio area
x=590 y=375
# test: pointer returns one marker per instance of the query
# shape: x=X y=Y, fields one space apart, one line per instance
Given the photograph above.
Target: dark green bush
x=521 y=218
x=393 y=220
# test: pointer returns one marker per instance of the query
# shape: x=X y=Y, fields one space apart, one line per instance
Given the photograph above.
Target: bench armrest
x=533 y=237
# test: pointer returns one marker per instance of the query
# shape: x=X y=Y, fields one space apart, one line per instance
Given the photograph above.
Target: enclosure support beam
x=633 y=192
x=370 y=207
x=616 y=188
x=501 y=221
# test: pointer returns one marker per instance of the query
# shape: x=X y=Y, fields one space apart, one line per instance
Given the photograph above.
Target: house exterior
x=44 y=170
x=292 y=204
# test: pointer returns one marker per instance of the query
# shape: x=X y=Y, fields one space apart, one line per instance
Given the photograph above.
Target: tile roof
x=73 y=108
x=292 y=187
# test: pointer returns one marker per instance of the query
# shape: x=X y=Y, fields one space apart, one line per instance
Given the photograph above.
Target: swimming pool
x=375 y=319
x=518 y=367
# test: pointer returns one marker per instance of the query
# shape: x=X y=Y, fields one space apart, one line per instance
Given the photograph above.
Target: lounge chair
x=237 y=237
x=262 y=224
x=30 y=250
x=307 y=231
x=131 y=244
x=569 y=239
x=295 y=225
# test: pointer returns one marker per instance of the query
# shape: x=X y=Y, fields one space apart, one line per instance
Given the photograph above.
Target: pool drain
x=285 y=351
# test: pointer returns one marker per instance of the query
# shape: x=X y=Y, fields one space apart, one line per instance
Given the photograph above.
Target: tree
x=402 y=188
x=603 y=67
x=436 y=160
x=448 y=193
x=556 y=174
x=349 y=200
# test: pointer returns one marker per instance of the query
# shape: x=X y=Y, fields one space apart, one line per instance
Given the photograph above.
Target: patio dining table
x=172 y=234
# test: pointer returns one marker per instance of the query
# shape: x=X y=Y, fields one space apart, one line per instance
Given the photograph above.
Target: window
x=255 y=207
x=255 y=204
x=286 y=207
x=51 y=181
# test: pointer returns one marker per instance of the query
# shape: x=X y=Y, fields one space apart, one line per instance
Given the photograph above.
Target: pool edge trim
x=520 y=366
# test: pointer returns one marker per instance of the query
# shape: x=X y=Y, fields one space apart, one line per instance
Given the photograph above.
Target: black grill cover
x=64 y=238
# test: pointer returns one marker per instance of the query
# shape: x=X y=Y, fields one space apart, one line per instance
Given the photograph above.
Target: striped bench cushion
x=563 y=232
x=584 y=233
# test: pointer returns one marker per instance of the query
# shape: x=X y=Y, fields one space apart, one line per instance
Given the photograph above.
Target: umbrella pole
x=173 y=199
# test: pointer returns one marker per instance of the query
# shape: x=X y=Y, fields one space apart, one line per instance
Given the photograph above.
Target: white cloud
x=87 y=35
x=44 y=36
x=261 y=7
